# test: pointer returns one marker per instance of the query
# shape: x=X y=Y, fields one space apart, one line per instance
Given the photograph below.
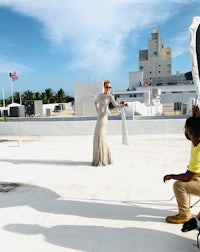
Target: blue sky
x=55 y=44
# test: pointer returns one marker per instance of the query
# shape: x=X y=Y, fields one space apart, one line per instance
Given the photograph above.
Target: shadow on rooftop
x=106 y=239
x=45 y=200
x=44 y=162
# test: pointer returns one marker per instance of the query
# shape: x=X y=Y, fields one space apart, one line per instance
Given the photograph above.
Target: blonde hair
x=106 y=82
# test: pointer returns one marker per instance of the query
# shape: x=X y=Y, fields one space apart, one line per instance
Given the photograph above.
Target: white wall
x=85 y=96
x=86 y=127
x=135 y=80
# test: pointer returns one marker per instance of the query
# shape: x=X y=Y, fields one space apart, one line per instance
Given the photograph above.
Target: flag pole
x=11 y=84
x=13 y=77
x=20 y=97
x=3 y=98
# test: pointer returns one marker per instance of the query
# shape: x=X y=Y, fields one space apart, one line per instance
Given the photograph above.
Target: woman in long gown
x=101 y=152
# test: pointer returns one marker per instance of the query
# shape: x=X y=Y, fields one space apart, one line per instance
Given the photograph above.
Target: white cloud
x=180 y=43
x=10 y=66
x=96 y=31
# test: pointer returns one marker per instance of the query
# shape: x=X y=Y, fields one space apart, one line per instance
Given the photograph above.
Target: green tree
x=69 y=99
x=28 y=95
x=16 y=97
x=48 y=96
x=8 y=101
x=60 y=96
x=38 y=96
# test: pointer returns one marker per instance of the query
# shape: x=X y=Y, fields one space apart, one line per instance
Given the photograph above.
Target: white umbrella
x=194 y=30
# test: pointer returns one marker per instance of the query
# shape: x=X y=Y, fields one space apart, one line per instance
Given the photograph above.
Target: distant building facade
x=153 y=82
x=168 y=94
x=154 y=73
x=156 y=60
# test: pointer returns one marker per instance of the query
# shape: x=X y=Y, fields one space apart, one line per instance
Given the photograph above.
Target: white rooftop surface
x=65 y=204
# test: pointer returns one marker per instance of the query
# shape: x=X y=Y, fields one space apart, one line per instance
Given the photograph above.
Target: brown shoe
x=177 y=219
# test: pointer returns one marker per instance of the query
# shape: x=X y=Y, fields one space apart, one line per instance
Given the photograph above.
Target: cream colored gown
x=101 y=152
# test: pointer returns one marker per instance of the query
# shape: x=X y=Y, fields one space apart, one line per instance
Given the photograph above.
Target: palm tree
x=38 y=96
x=48 y=96
x=60 y=96
x=69 y=99
x=28 y=95
x=16 y=97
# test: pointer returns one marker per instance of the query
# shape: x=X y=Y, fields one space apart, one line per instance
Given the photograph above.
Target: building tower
x=156 y=61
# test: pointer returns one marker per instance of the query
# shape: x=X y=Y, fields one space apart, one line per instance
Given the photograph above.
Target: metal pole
x=11 y=84
x=3 y=98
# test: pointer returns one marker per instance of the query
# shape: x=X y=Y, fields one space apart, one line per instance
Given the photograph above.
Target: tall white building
x=156 y=60
x=150 y=88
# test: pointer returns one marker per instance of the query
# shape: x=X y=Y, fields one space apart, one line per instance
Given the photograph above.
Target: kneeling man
x=188 y=182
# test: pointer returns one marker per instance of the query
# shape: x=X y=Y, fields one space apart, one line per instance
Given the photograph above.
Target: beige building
x=156 y=60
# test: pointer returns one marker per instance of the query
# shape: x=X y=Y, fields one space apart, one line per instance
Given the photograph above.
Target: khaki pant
x=182 y=190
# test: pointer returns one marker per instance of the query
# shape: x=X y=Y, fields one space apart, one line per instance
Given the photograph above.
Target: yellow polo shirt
x=194 y=164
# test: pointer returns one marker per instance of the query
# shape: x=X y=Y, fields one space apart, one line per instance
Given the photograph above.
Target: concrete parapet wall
x=86 y=127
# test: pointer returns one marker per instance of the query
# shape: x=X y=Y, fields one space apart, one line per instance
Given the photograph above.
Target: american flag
x=13 y=76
